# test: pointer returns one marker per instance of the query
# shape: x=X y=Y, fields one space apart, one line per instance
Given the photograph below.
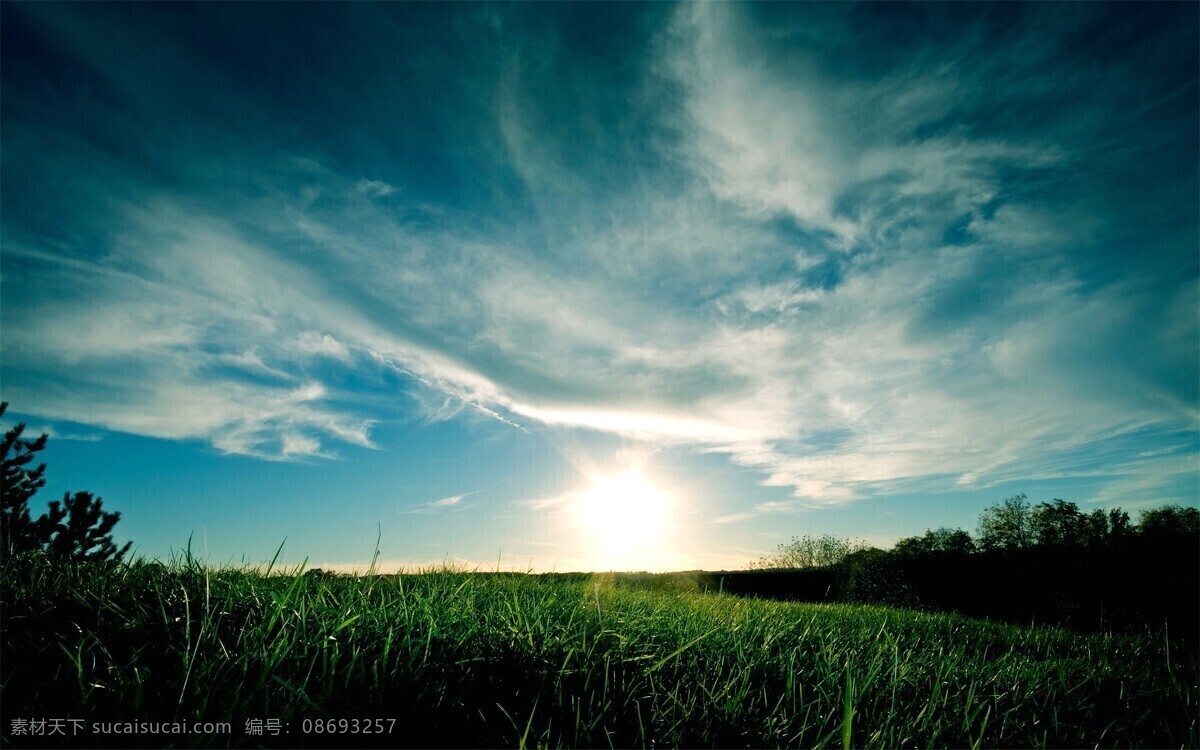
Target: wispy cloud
x=453 y=502
x=374 y=188
x=849 y=277
x=733 y=518
x=55 y=433
x=560 y=501
x=447 y=502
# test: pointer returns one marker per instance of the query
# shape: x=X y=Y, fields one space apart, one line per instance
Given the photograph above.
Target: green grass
x=461 y=659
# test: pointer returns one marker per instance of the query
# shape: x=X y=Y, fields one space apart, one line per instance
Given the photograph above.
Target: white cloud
x=322 y=344
x=637 y=425
x=453 y=502
x=32 y=432
x=774 y=136
x=832 y=393
x=786 y=298
x=252 y=362
x=374 y=188
x=762 y=144
x=733 y=518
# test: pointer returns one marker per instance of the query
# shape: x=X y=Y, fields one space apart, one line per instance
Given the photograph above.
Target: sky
x=594 y=286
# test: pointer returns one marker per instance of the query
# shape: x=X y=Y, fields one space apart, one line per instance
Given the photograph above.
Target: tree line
x=1011 y=524
x=1047 y=562
x=78 y=527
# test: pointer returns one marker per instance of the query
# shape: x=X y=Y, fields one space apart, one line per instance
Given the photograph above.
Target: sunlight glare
x=626 y=516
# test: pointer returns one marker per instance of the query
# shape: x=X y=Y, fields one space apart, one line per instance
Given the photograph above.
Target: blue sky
x=432 y=273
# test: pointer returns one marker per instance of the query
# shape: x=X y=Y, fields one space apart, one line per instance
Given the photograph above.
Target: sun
x=626 y=517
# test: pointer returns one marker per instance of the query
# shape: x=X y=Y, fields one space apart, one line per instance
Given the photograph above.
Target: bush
x=810 y=551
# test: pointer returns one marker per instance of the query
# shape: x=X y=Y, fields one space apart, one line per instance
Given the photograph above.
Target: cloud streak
x=452 y=502
x=850 y=279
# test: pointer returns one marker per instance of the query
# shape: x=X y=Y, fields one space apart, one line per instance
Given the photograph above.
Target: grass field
x=462 y=659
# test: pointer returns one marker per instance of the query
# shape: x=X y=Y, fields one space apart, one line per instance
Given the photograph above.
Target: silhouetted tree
x=810 y=551
x=943 y=540
x=1093 y=529
x=1102 y=528
x=1169 y=520
x=1119 y=527
x=1057 y=524
x=955 y=541
x=913 y=546
x=78 y=528
x=1005 y=525
x=20 y=483
x=82 y=530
